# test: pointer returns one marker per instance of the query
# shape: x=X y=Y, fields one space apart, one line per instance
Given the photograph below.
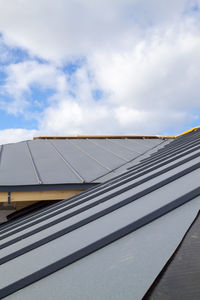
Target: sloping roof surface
x=109 y=242
x=181 y=277
x=67 y=161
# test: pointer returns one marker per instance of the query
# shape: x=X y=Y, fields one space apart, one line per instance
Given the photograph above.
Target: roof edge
x=114 y=136
x=188 y=131
x=101 y=136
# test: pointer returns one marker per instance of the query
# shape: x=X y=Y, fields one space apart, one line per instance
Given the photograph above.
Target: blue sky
x=100 y=67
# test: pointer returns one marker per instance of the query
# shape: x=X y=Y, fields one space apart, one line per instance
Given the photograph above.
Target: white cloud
x=143 y=55
x=56 y=30
x=23 y=76
x=13 y=135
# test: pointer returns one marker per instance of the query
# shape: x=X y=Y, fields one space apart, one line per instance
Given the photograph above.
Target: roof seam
x=139 y=155
x=108 y=150
x=67 y=163
x=36 y=172
x=116 y=143
x=90 y=156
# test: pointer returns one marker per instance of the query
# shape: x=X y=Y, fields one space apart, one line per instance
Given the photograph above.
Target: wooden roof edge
x=187 y=131
x=114 y=136
x=110 y=136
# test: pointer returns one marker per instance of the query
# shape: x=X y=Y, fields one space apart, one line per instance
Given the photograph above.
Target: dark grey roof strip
x=42 y=273
x=165 y=155
x=92 y=141
x=37 y=175
x=179 y=153
x=176 y=147
x=90 y=156
x=172 y=150
x=94 y=192
x=67 y=163
x=183 y=141
x=103 y=212
x=45 y=187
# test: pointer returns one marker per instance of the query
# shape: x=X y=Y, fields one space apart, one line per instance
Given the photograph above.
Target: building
x=134 y=234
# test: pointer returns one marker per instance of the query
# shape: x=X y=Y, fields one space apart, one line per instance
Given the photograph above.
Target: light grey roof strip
x=117 y=143
x=92 y=141
x=90 y=156
x=37 y=175
x=66 y=162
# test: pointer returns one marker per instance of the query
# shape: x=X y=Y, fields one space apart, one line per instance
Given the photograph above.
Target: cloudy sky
x=98 y=66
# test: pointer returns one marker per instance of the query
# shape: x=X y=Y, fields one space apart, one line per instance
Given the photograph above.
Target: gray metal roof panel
x=116 y=191
x=87 y=167
x=42 y=162
x=180 y=278
x=16 y=164
x=128 y=213
x=113 y=198
x=100 y=216
x=123 y=168
x=50 y=166
x=90 y=233
x=125 y=273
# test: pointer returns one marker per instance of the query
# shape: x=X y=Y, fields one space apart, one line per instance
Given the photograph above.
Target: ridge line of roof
x=115 y=136
x=101 y=136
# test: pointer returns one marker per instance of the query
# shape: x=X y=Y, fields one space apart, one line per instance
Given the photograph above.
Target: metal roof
x=111 y=241
x=40 y=164
x=180 y=279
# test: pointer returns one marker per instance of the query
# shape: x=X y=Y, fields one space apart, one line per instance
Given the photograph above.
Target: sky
x=72 y=67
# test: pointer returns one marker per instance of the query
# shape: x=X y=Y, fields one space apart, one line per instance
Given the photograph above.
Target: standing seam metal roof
x=76 y=161
x=75 y=229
